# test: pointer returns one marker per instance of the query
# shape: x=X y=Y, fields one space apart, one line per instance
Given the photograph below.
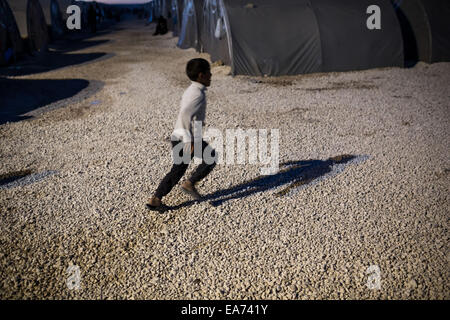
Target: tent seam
x=229 y=40
x=318 y=32
x=430 y=35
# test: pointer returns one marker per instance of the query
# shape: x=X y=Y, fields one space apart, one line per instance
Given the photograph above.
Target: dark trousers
x=178 y=170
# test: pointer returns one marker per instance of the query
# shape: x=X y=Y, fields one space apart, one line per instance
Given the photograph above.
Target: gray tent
x=286 y=37
x=84 y=7
x=149 y=14
x=175 y=22
x=165 y=8
x=166 y=12
x=58 y=25
x=173 y=18
x=31 y=22
x=158 y=10
x=45 y=5
x=19 y=9
x=213 y=33
x=177 y=12
x=63 y=5
x=191 y=25
x=53 y=17
x=425 y=29
x=10 y=40
x=37 y=27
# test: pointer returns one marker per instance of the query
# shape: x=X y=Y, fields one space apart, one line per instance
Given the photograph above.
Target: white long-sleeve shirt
x=193 y=108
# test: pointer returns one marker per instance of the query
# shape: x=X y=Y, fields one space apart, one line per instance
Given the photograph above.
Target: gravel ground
x=106 y=153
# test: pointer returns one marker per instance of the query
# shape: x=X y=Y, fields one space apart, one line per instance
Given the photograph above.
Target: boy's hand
x=188 y=148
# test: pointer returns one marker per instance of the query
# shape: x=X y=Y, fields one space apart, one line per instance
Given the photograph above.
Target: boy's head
x=199 y=70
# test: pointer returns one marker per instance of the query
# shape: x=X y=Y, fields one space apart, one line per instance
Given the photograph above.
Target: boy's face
x=205 y=78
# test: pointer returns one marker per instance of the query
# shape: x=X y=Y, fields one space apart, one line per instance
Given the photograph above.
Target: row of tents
x=287 y=37
x=28 y=26
x=264 y=37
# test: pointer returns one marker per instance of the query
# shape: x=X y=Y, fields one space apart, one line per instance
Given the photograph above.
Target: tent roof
x=301 y=36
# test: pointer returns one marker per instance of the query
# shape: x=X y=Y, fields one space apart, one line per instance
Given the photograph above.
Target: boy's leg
x=204 y=168
x=173 y=176
x=170 y=180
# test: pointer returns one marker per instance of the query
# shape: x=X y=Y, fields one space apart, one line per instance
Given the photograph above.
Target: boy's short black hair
x=195 y=66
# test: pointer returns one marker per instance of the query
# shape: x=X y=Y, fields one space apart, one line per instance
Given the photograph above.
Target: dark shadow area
x=13 y=176
x=80 y=36
x=293 y=174
x=19 y=96
x=23 y=178
x=119 y=28
x=50 y=61
x=410 y=49
x=64 y=46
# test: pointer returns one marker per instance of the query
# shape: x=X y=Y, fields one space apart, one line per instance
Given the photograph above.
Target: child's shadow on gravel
x=294 y=173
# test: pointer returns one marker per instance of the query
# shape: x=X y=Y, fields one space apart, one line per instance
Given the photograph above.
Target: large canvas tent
x=425 y=29
x=30 y=19
x=58 y=25
x=174 y=24
x=38 y=36
x=84 y=7
x=165 y=8
x=19 y=9
x=213 y=32
x=199 y=20
x=286 y=37
x=170 y=14
x=191 y=25
x=177 y=9
x=149 y=12
x=155 y=9
x=10 y=40
x=63 y=5
x=53 y=17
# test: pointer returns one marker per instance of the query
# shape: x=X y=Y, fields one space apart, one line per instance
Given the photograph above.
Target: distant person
x=161 y=27
x=92 y=19
x=193 y=107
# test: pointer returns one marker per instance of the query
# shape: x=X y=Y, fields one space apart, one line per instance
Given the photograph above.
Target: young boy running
x=193 y=108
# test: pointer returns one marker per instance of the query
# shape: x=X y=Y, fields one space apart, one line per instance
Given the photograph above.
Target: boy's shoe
x=189 y=188
x=161 y=208
x=155 y=204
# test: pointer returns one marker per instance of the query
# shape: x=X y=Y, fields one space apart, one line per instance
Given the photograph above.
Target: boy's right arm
x=188 y=148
